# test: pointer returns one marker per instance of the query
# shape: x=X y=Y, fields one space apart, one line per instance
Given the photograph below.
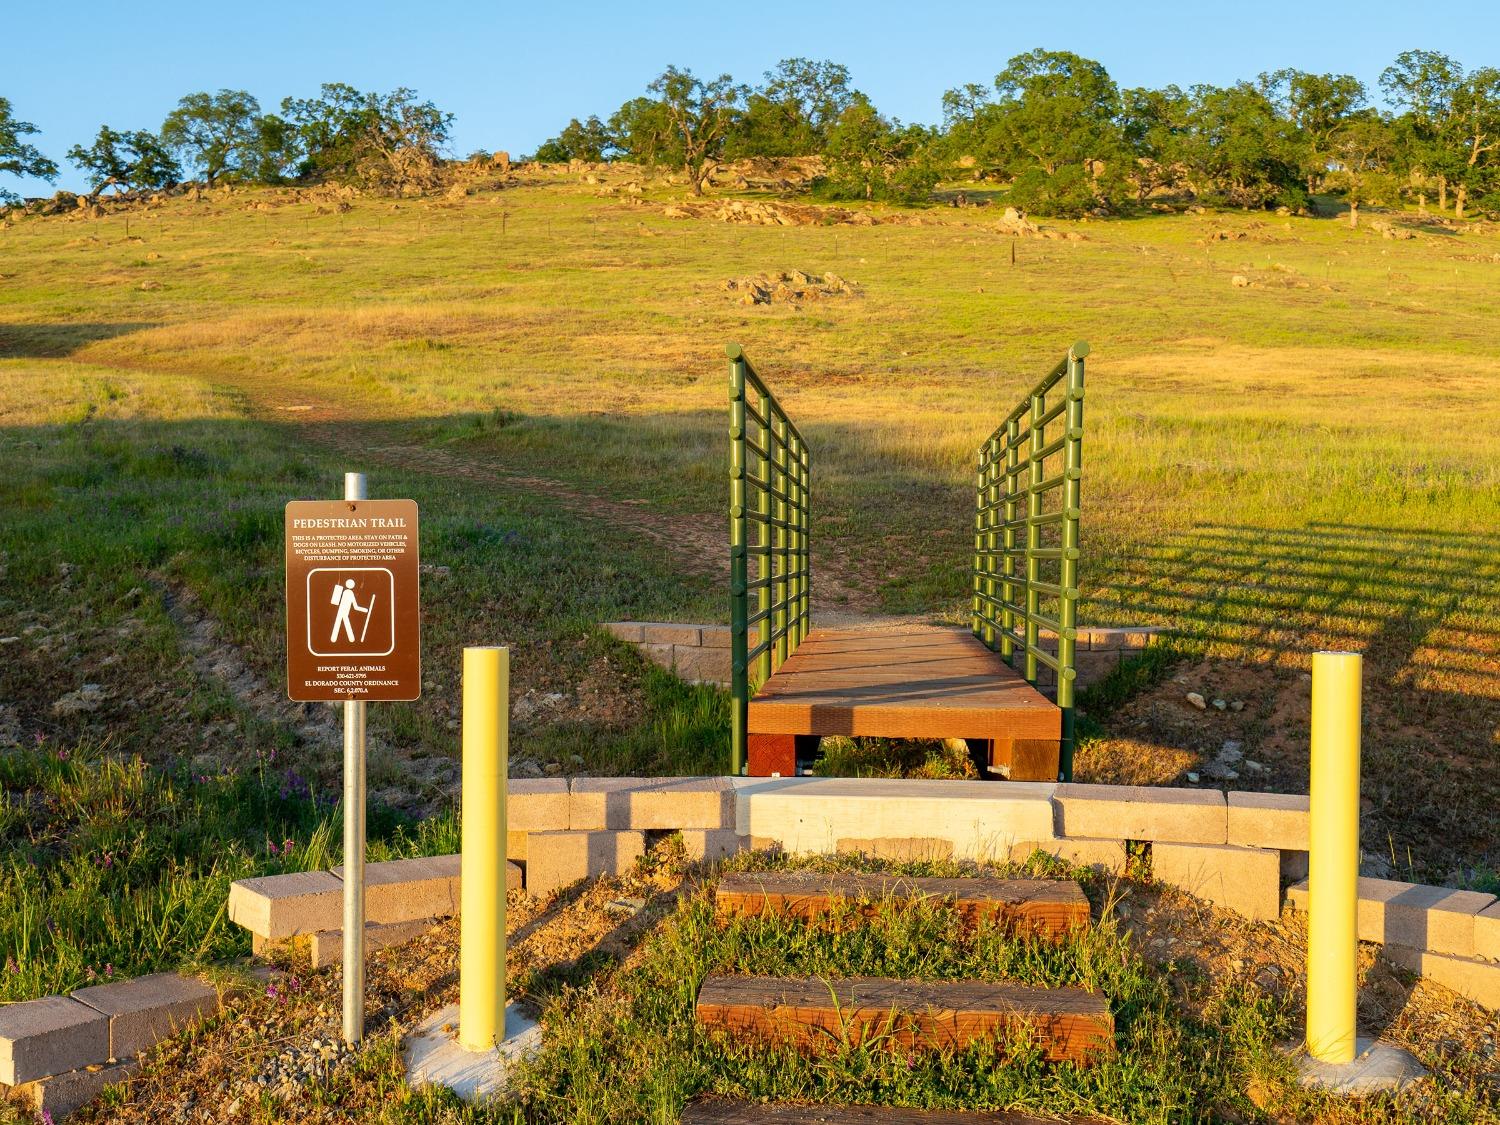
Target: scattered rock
x=793 y=287
x=765 y=214
x=86 y=698
x=1240 y=281
x=1197 y=700
x=1219 y=705
x=1236 y=705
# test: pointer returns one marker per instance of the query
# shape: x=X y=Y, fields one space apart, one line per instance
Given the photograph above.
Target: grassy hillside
x=1309 y=459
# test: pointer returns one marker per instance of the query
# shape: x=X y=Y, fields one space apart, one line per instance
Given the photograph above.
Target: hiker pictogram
x=345 y=598
x=350 y=611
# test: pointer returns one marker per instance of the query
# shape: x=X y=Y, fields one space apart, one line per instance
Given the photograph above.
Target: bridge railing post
x=739 y=676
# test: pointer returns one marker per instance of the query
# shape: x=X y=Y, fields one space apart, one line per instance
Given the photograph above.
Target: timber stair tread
x=1067 y=1024
x=1050 y=907
x=907 y=682
x=729 y=1111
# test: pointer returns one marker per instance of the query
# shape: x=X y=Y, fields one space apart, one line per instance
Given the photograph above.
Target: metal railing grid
x=769 y=491
x=1025 y=576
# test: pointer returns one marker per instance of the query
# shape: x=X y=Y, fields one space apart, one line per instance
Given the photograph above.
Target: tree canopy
x=18 y=157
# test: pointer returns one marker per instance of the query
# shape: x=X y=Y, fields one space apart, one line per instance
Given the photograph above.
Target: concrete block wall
x=57 y=1053
x=700 y=653
x=1235 y=851
x=696 y=653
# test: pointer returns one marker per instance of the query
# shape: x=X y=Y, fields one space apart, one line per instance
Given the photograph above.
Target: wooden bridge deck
x=903 y=682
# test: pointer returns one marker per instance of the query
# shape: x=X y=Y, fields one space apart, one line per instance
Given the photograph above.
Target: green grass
x=112 y=868
x=629 y=1049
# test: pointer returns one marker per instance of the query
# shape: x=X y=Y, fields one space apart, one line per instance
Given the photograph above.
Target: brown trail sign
x=352 y=600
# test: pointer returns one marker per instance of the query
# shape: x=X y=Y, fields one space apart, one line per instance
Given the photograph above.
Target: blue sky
x=515 y=72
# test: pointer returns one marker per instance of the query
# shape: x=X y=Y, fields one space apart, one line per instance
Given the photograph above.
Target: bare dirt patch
x=1428 y=808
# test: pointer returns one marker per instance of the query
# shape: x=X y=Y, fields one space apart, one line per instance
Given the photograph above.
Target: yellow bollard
x=1333 y=882
x=481 y=956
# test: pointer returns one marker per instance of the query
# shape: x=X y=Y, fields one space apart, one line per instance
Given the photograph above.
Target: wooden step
x=1068 y=1023
x=727 y=1111
x=1050 y=907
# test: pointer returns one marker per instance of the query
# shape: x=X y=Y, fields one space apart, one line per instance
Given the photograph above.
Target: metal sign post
x=352 y=596
x=354 y=839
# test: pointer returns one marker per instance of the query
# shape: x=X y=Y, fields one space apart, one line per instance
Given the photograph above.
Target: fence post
x=481 y=956
x=1333 y=868
x=1067 y=610
x=738 y=570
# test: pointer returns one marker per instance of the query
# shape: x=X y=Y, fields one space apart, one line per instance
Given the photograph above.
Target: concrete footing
x=1377 y=1066
x=434 y=1058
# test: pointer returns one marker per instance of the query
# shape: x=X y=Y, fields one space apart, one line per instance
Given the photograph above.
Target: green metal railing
x=1026 y=533
x=768 y=522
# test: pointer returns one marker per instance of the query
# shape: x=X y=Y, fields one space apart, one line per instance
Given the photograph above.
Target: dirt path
x=696 y=544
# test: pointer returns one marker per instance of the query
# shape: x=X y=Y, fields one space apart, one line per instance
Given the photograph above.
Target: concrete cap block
x=1269 y=820
x=629 y=631
x=1437 y=919
x=1244 y=880
x=146 y=1010
x=650 y=803
x=281 y=906
x=1477 y=980
x=1108 y=856
x=40 y=1038
x=1487 y=933
x=327 y=948
x=716 y=636
x=981 y=821
x=669 y=633
x=536 y=804
x=404 y=890
x=1140 y=812
x=62 y=1094
x=559 y=859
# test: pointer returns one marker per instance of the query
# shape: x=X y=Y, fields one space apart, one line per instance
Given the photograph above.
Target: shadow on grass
x=54 y=341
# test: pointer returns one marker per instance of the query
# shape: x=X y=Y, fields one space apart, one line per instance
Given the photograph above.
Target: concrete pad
x=40 y=1038
x=146 y=1010
x=1269 y=820
x=62 y=1094
x=282 y=906
x=1245 y=880
x=327 y=948
x=559 y=859
x=1470 y=977
x=1376 y=1067
x=1107 y=856
x=434 y=1058
x=810 y=815
x=1141 y=812
x=650 y=803
x=1414 y=915
x=538 y=804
